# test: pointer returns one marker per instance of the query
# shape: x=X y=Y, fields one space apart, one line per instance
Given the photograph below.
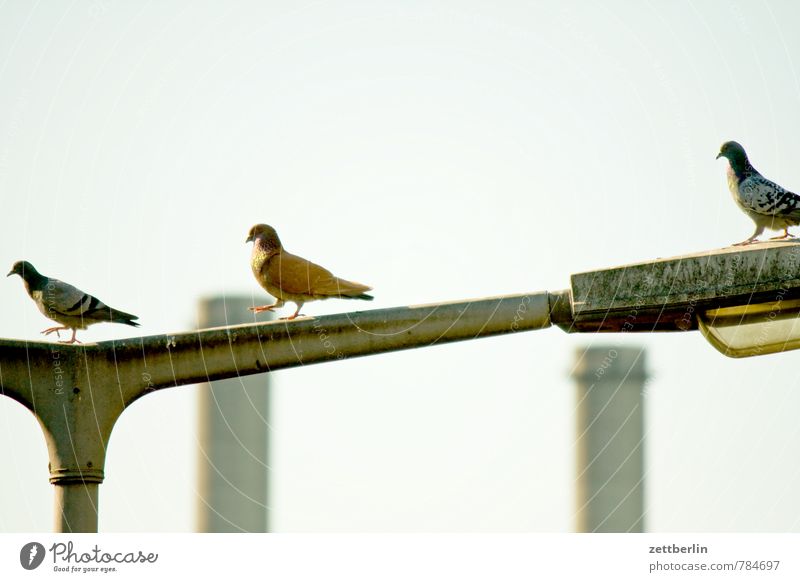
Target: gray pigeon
x=65 y=304
x=766 y=203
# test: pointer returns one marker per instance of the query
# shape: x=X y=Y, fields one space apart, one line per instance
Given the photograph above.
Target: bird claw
x=291 y=317
x=261 y=308
x=71 y=341
x=50 y=330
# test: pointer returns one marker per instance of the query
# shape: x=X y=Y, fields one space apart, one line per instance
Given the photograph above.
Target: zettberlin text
x=673 y=549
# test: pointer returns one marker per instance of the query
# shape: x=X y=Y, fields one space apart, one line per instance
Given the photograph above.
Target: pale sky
x=436 y=151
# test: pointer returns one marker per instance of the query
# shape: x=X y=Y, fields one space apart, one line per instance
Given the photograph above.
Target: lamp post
x=745 y=300
x=78 y=392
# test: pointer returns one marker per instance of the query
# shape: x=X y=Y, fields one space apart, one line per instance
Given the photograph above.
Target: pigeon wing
x=64 y=299
x=765 y=197
x=296 y=275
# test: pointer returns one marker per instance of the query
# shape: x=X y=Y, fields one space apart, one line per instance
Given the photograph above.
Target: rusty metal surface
x=665 y=294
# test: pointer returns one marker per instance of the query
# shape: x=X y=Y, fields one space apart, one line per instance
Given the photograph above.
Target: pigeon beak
x=249 y=239
x=719 y=155
x=11 y=272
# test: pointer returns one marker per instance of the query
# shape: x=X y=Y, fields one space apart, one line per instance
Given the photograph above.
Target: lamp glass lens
x=751 y=330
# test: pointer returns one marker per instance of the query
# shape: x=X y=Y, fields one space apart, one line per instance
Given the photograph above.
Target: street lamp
x=77 y=392
x=753 y=330
x=744 y=300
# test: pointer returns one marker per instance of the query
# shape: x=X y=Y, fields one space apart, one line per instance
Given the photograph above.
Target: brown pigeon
x=288 y=277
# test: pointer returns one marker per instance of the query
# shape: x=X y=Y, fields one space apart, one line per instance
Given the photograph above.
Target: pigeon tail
x=348 y=289
x=116 y=316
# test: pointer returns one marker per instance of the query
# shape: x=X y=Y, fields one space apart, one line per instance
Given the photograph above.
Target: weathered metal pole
x=76 y=509
x=77 y=392
x=76 y=412
x=233 y=415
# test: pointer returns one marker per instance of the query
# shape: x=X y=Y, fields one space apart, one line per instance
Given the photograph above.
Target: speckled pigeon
x=766 y=203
